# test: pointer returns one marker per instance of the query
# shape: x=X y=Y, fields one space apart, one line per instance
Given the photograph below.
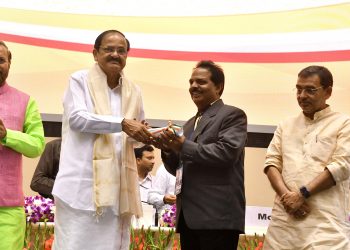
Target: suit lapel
x=188 y=128
x=207 y=116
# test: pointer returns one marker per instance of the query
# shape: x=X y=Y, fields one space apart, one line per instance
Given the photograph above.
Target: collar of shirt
x=199 y=114
x=319 y=114
x=120 y=82
x=147 y=179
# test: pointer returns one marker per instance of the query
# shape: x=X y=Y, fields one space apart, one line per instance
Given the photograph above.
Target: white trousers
x=78 y=229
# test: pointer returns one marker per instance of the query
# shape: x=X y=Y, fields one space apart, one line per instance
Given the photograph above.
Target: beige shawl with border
x=112 y=178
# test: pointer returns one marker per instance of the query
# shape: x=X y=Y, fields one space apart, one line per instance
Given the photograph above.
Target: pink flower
x=39 y=209
x=168 y=217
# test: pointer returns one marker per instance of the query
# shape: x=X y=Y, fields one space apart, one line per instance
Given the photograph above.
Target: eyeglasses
x=308 y=91
x=110 y=50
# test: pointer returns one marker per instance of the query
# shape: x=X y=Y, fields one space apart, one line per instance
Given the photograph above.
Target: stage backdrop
x=261 y=45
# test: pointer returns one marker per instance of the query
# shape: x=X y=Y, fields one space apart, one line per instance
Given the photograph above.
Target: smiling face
x=4 y=64
x=314 y=101
x=202 y=90
x=111 y=55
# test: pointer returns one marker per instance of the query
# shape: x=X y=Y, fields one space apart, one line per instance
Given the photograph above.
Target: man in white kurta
x=308 y=163
x=91 y=213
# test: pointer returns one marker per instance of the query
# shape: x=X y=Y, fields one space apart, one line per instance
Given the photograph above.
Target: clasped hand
x=295 y=205
x=137 y=130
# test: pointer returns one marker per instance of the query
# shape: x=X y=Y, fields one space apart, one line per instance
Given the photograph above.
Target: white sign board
x=257 y=220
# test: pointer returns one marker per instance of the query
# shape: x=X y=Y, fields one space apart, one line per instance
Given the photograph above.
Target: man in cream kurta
x=308 y=164
x=96 y=189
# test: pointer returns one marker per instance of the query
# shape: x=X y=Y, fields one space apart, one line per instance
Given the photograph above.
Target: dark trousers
x=195 y=239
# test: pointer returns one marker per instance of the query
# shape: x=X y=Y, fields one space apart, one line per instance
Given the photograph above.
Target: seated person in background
x=162 y=192
x=145 y=162
x=47 y=168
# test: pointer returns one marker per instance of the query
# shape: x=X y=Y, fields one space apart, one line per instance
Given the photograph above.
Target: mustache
x=194 y=90
x=115 y=60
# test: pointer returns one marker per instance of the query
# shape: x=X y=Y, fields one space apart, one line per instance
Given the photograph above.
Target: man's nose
x=194 y=84
x=115 y=53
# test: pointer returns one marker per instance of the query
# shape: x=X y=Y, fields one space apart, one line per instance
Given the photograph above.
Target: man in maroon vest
x=21 y=133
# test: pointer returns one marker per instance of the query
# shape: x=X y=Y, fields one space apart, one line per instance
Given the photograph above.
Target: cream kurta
x=301 y=149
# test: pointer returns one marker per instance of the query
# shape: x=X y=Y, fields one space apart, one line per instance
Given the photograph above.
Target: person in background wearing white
x=145 y=162
x=162 y=194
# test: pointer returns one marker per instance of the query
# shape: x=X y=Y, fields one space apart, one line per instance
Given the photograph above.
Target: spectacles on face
x=308 y=91
x=110 y=50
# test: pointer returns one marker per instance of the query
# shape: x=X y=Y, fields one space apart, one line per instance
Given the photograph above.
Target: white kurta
x=74 y=181
x=301 y=149
x=79 y=229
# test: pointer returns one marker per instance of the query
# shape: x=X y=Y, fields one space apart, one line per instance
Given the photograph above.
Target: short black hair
x=326 y=78
x=2 y=43
x=100 y=37
x=217 y=73
x=139 y=151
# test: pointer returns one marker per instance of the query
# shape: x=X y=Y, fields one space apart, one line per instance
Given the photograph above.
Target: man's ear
x=9 y=57
x=94 y=52
x=329 y=91
x=219 y=89
x=138 y=160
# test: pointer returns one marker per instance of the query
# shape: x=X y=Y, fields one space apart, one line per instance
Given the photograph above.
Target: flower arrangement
x=39 y=209
x=38 y=236
x=251 y=242
x=147 y=239
x=168 y=217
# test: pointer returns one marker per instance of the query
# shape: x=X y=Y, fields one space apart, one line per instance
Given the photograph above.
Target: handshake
x=169 y=138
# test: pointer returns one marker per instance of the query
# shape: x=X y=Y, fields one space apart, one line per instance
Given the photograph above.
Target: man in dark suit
x=208 y=161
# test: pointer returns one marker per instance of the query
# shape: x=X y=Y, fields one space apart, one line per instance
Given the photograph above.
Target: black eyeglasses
x=110 y=50
x=308 y=91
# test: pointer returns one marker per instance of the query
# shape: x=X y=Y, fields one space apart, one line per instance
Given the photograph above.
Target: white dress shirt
x=164 y=183
x=145 y=185
x=74 y=181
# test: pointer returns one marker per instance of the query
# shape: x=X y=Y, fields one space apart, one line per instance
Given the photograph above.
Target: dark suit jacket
x=47 y=169
x=212 y=194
